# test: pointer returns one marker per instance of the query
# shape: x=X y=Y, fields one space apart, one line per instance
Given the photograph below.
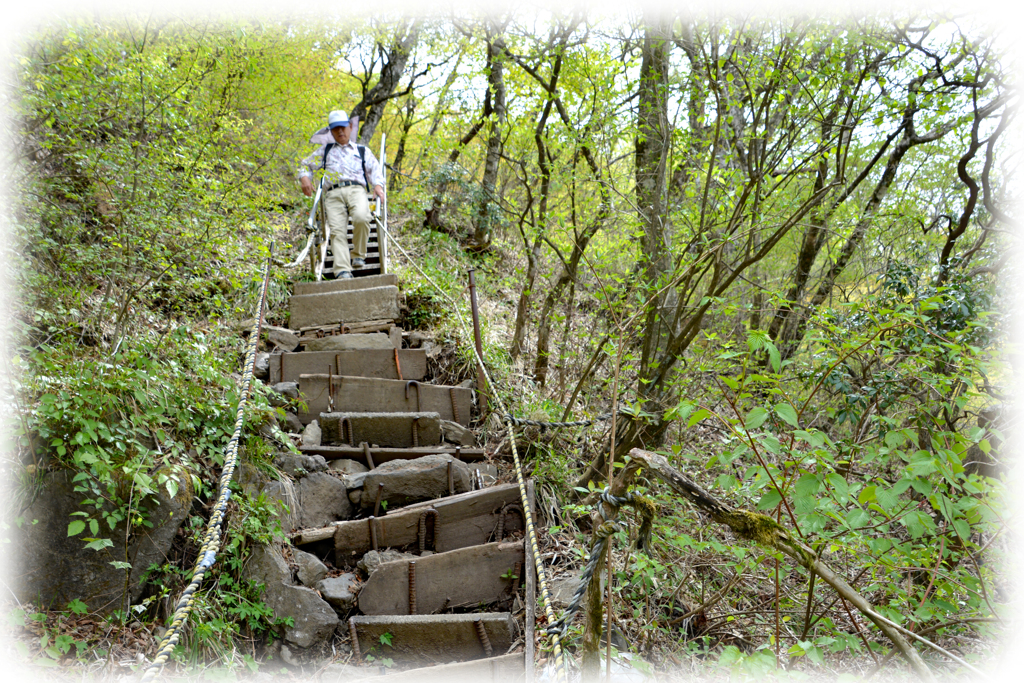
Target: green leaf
x=76 y=527
x=78 y=607
x=99 y=544
x=755 y=418
x=788 y=413
x=697 y=417
x=769 y=500
x=774 y=356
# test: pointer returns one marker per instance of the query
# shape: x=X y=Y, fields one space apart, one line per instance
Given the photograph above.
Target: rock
x=56 y=568
x=467 y=384
x=287 y=389
x=311 y=569
x=283 y=394
x=354 y=481
x=261 y=370
x=267 y=566
x=562 y=589
x=250 y=479
x=291 y=423
x=395 y=333
x=416 y=339
x=314 y=620
x=355 y=496
x=346 y=466
x=349 y=342
x=322 y=499
x=340 y=592
x=453 y=432
x=283 y=493
x=281 y=337
x=299 y=465
x=289 y=657
x=376 y=558
x=312 y=435
x=410 y=481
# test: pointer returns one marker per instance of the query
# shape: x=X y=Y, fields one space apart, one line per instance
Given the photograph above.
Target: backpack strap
x=362 y=160
x=327 y=148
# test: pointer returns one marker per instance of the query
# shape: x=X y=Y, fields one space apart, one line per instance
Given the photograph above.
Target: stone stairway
x=403 y=547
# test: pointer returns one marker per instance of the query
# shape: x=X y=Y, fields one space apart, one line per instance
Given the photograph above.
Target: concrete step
x=327 y=286
x=498 y=669
x=380 y=363
x=397 y=430
x=463 y=520
x=383 y=455
x=477 y=575
x=308 y=310
x=323 y=393
x=433 y=638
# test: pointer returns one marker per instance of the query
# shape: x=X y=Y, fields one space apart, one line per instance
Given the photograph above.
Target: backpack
x=362 y=159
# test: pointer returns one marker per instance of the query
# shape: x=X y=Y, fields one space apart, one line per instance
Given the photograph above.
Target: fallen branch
x=767 y=532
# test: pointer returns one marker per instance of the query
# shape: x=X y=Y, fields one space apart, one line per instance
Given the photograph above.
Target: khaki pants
x=341 y=204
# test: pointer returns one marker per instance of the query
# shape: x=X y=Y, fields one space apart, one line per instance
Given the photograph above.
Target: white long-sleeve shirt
x=343 y=164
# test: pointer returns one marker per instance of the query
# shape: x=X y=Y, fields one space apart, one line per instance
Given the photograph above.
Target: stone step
x=433 y=638
x=382 y=455
x=380 y=363
x=382 y=429
x=374 y=303
x=368 y=394
x=499 y=669
x=463 y=520
x=477 y=575
x=328 y=286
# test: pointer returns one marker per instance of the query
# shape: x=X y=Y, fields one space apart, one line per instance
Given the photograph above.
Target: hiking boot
x=358 y=263
x=344 y=275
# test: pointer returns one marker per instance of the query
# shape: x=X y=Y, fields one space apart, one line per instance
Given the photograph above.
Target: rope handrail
x=561 y=666
x=211 y=539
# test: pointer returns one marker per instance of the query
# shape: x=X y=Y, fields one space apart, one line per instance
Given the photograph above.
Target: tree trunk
x=496 y=88
x=396 y=165
x=370 y=109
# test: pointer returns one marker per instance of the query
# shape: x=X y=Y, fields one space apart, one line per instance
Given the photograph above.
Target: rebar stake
x=481 y=634
x=355 y=639
x=373 y=533
x=368 y=455
x=412 y=587
x=380 y=494
x=455 y=407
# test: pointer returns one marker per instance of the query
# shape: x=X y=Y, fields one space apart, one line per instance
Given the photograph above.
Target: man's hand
x=379 y=191
x=307 y=186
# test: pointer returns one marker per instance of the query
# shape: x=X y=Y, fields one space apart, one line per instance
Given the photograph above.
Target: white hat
x=337 y=118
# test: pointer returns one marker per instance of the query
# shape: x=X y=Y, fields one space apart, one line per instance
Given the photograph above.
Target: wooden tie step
x=380 y=455
x=426 y=639
x=394 y=364
x=477 y=575
x=459 y=521
x=342 y=393
x=395 y=430
x=350 y=306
